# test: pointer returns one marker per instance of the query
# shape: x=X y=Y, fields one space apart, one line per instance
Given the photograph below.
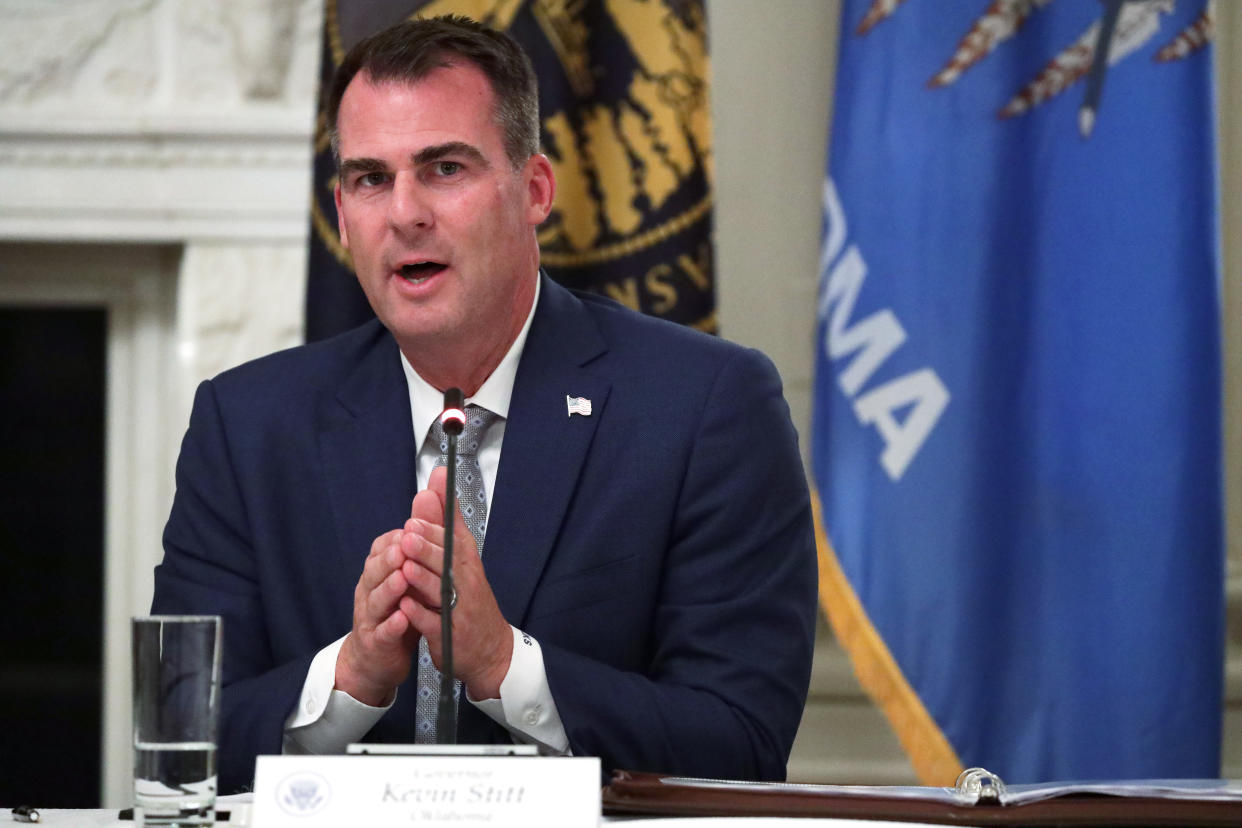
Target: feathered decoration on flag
x=1125 y=26
x=999 y=23
x=1191 y=39
x=1138 y=24
x=880 y=10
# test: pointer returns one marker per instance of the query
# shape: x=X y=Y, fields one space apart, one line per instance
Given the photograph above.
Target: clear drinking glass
x=176 y=707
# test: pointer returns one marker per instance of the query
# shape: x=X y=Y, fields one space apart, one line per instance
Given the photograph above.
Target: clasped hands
x=397 y=601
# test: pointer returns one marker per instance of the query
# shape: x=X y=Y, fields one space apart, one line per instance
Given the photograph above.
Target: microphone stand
x=453 y=420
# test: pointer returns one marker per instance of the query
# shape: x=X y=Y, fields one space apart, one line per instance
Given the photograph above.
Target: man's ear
x=540 y=188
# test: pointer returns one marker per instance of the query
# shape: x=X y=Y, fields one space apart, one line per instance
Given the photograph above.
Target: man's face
x=439 y=224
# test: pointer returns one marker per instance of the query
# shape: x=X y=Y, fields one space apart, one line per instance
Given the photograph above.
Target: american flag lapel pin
x=577 y=405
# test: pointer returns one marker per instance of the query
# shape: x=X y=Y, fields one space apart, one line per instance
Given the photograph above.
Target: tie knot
x=478 y=420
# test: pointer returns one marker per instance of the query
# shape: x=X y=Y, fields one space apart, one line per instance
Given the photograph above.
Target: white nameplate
x=380 y=791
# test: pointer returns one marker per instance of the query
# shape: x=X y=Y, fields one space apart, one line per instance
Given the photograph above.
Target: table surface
x=107 y=818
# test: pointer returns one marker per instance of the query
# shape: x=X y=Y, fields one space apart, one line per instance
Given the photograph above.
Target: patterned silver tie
x=472 y=503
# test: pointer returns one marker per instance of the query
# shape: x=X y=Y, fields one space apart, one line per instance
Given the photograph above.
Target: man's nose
x=408 y=208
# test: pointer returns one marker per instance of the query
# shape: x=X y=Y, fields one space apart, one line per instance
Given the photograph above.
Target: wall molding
x=156 y=179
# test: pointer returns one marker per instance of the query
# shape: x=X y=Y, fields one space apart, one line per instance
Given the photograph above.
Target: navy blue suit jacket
x=660 y=549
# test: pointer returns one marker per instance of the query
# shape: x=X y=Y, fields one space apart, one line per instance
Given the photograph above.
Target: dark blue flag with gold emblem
x=626 y=124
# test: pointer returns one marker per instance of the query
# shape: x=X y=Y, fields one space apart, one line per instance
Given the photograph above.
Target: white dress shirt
x=326 y=719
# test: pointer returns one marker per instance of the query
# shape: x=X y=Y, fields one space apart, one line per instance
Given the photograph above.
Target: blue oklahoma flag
x=1017 y=408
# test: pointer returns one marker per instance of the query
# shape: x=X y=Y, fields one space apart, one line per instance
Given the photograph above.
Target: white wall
x=772 y=69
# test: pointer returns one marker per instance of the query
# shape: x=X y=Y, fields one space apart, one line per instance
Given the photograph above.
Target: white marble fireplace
x=154 y=161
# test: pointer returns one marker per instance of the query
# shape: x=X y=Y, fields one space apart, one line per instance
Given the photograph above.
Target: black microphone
x=452 y=420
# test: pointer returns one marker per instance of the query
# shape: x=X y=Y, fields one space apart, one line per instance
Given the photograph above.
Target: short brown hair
x=412 y=49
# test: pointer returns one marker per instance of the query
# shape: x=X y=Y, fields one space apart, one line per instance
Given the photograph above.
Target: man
x=646 y=591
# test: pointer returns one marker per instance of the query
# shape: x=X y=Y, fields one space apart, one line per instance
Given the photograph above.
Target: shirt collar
x=494 y=394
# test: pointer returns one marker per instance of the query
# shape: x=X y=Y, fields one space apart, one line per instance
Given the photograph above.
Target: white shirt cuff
x=326 y=720
x=525 y=707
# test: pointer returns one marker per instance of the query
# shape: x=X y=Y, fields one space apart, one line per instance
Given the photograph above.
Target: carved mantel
x=167 y=177
x=149 y=120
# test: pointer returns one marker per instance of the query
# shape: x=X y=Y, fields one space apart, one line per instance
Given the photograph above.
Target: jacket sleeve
x=209 y=567
x=733 y=630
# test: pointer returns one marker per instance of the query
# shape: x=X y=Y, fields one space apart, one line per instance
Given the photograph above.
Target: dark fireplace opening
x=52 y=403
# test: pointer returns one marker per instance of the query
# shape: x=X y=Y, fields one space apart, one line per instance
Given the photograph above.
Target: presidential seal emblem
x=303 y=794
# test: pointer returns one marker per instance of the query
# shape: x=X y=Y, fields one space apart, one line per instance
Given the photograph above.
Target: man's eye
x=448 y=168
x=371 y=179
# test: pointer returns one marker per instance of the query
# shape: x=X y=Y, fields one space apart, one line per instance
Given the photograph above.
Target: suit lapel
x=369 y=455
x=544 y=447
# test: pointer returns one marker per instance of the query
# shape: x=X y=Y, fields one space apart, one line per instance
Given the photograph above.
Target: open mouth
x=418 y=272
